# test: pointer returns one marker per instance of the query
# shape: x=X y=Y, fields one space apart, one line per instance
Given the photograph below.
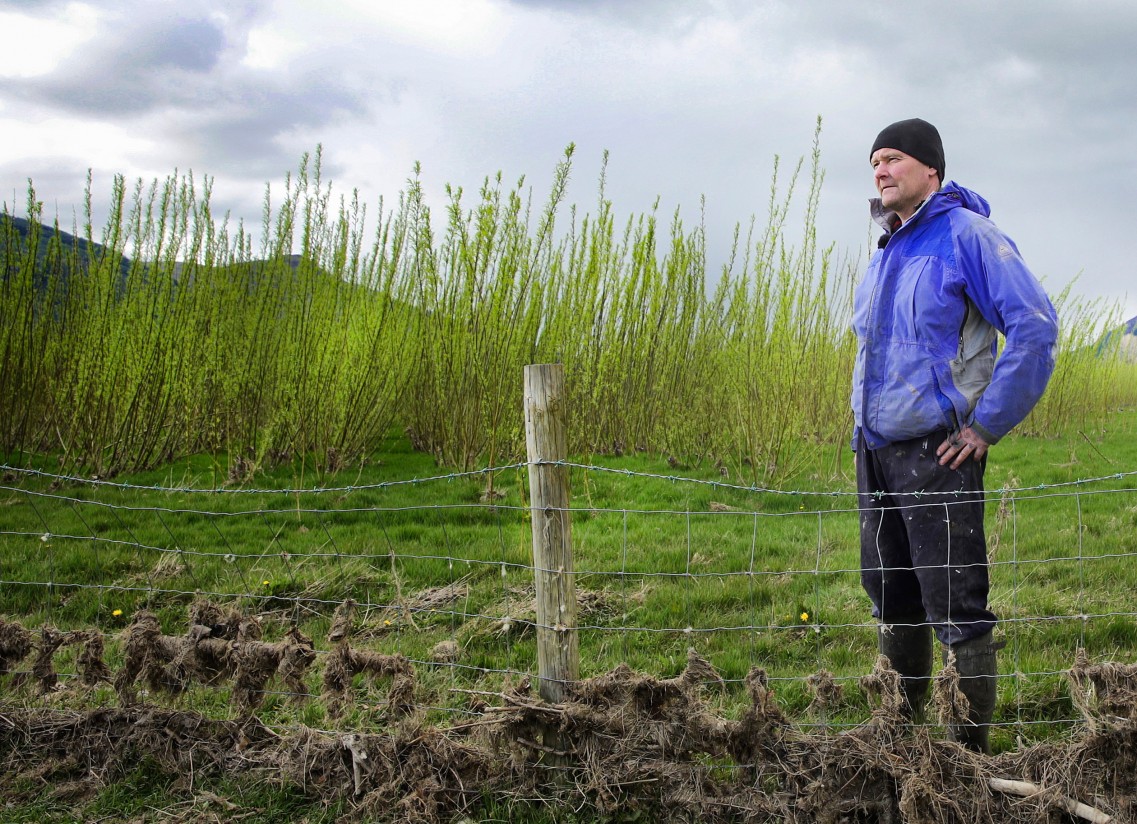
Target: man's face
x=902 y=181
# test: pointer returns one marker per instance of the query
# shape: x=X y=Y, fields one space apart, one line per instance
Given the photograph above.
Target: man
x=929 y=399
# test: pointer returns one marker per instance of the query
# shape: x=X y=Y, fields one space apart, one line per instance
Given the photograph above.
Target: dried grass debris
x=43 y=670
x=93 y=670
x=15 y=644
x=344 y=663
x=623 y=744
x=950 y=704
x=445 y=652
x=827 y=693
x=342 y=622
x=1104 y=693
x=220 y=646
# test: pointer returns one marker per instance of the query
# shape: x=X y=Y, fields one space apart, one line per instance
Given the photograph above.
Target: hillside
x=15 y=230
x=1127 y=345
x=1129 y=340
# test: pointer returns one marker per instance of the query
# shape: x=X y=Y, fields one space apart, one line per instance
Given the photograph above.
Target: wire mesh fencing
x=439 y=571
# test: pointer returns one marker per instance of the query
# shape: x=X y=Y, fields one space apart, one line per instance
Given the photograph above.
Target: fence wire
x=761 y=578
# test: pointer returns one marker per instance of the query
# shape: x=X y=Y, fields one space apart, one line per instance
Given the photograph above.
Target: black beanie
x=914 y=137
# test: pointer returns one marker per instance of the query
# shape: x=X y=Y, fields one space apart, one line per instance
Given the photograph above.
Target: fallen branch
x=1027 y=789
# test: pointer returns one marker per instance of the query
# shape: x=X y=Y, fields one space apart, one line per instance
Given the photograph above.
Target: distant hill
x=1129 y=339
x=20 y=228
x=1127 y=346
x=86 y=250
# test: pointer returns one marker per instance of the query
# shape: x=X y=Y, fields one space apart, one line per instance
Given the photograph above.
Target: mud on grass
x=620 y=744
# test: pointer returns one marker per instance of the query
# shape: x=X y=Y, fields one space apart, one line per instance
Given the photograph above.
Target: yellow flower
x=386 y=623
x=805 y=616
x=268 y=583
x=117 y=613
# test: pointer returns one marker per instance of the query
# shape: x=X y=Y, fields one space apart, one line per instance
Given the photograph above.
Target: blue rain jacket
x=926 y=315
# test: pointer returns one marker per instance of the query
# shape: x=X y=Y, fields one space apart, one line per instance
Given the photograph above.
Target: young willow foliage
x=741 y=377
x=193 y=344
x=170 y=336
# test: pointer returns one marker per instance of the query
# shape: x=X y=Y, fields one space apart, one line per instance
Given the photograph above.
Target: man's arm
x=1014 y=302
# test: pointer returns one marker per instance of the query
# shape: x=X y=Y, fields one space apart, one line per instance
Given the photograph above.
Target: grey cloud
x=1077 y=54
x=191 y=45
x=181 y=78
x=27 y=6
x=124 y=71
x=660 y=15
x=238 y=134
x=1032 y=84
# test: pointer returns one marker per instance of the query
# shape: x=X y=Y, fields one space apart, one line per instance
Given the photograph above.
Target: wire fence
x=747 y=576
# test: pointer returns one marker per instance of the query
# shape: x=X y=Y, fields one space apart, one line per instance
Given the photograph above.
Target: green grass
x=665 y=572
x=147 y=793
x=660 y=573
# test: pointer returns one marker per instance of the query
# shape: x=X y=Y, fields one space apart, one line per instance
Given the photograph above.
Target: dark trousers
x=923 y=550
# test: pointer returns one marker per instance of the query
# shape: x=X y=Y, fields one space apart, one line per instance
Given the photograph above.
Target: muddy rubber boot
x=909 y=650
x=978 y=671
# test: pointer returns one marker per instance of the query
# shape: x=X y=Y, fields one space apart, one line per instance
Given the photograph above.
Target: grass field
x=668 y=557
x=190 y=419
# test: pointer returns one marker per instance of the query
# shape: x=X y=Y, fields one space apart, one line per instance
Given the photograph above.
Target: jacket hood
x=949 y=196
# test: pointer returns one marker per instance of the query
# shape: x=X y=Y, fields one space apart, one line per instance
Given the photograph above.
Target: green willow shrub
x=1090 y=378
x=171 y=336
x=479 y=310
x=200 y=345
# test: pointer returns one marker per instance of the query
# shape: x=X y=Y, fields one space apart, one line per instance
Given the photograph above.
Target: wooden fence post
x=558 y=647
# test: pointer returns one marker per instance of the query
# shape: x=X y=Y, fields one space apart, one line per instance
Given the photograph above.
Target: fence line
x=73 y=551
x=236 y=489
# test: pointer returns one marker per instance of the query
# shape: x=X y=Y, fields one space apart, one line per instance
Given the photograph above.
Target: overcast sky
x=694 y=99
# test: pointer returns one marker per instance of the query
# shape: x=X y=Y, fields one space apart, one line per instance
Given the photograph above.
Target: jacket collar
x=947 y=197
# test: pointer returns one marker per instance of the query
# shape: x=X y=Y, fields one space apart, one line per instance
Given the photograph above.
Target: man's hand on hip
x=960 y=446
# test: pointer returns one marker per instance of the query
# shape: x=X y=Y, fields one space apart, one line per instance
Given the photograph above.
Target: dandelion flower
x=805 y=616
x=117 y=613
x=268 y=583
x=386 y=622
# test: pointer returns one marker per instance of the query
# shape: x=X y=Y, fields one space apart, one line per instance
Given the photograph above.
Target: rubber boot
x=908 y=646
x=978 y=671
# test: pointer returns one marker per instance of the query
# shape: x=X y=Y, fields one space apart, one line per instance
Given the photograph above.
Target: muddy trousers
x=924 y=567
x=923 y=551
